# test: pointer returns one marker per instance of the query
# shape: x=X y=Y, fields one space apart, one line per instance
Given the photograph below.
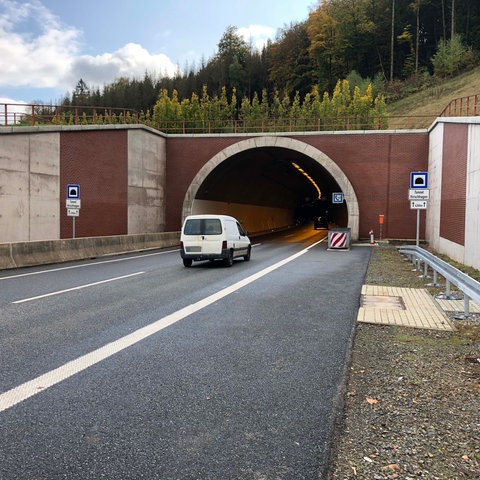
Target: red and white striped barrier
x=338 y=239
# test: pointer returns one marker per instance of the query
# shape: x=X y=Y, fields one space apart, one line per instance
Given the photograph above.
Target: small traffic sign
x=73 y=203
x=73 y=212
x=337 y=197
x=418 y=179
x=418 y=194
x=73 y=191
x=418 y=205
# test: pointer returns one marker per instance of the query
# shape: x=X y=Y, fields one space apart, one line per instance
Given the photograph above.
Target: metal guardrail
x=466 y=284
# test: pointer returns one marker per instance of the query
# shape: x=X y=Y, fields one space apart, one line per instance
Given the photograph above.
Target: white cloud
x=40 y=57
x=257 y=35
x=130 y=61
x=36 y=50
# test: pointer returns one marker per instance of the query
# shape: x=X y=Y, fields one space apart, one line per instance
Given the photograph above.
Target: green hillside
x=434 y=99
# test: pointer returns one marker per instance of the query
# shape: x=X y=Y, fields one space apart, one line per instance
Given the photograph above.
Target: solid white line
x=76 y=288
x=86 y=265
x=26 y=390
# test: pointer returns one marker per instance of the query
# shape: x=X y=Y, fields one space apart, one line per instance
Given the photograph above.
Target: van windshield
x=203 y=226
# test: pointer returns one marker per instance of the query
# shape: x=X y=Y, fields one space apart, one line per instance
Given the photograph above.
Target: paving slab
x=408 y=307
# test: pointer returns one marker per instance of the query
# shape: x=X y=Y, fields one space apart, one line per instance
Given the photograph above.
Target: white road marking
x=123 y=259
x=76 y=288
x=28 y=389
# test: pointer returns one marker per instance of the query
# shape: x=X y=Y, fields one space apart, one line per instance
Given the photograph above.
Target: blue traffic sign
x=73 y=191
x=337 y=197
x=418 y=180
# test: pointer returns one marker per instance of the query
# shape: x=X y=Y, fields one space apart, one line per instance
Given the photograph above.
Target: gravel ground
x=412 y=401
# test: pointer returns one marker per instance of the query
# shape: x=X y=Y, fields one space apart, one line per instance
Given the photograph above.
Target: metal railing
x=466 y=284
x=13 y=115
x=19 y=114
x=463 y=107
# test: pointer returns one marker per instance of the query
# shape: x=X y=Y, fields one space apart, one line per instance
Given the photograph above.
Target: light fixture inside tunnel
x=310 y=179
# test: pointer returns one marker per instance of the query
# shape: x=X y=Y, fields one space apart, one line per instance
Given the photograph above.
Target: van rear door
x=203 y=236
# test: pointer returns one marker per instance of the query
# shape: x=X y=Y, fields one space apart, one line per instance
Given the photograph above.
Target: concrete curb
x=24 y=254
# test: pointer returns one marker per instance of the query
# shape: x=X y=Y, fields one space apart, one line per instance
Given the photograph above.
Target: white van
x=212 y=237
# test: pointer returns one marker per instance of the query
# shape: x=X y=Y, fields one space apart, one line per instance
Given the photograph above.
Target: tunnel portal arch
x=303 y=148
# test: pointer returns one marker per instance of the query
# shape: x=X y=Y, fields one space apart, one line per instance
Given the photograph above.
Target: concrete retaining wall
x=24 y=254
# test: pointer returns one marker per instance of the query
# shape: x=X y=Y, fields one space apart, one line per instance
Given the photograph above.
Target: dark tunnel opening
x=268 y=186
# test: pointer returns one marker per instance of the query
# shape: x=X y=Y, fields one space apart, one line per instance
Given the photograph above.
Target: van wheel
x=247 y=256
x=228 y=262
x=187 y=262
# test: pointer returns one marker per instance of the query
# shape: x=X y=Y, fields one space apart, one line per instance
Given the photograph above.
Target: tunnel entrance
x=269 y=183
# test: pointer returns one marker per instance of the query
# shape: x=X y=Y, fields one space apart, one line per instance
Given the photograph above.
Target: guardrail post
x=434 y=283
x=425 y=271
x=415 y=263
x=448 y=295
x=466 y=309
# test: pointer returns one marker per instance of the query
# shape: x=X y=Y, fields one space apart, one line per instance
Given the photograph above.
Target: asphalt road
x=134 y=367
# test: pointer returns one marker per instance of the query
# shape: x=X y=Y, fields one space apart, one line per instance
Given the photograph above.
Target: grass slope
x=433 y=100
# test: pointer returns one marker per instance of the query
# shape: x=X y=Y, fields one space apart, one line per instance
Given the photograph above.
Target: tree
x=451 y=57
x=392 y=41
x=324 y=45
x=81 y=93
x=415 y=6
x=230 y=60
x=290 y=66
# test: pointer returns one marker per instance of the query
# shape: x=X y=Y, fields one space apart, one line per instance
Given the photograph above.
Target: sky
x=47 y=46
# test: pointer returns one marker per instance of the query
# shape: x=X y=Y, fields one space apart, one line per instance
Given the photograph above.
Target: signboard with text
x=418 y=194
x=418 y=205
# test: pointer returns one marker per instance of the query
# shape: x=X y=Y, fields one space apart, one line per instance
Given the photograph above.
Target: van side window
x=241 y=230
x=203 y=226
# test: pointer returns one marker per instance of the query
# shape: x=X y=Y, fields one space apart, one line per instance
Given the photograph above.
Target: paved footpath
x=408 y=307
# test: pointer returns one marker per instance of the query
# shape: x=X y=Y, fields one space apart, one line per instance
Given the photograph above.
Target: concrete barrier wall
x=24 y=254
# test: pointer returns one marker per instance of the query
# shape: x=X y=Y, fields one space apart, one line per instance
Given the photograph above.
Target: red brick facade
x=378 y=165
x=98 y=162
x=454 y=178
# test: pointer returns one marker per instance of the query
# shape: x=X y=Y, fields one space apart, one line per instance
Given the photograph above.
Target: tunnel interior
x=284 y=185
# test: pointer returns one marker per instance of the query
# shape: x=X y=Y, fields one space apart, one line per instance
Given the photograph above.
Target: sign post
x=73 y=204
x=418 y=194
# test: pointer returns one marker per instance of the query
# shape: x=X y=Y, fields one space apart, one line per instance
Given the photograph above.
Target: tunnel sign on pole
x=418 y=194
x=73 y=191
x=73 y=203
x=418 y=180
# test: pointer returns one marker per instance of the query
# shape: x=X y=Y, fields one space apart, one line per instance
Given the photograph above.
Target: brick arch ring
x=282 y=142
